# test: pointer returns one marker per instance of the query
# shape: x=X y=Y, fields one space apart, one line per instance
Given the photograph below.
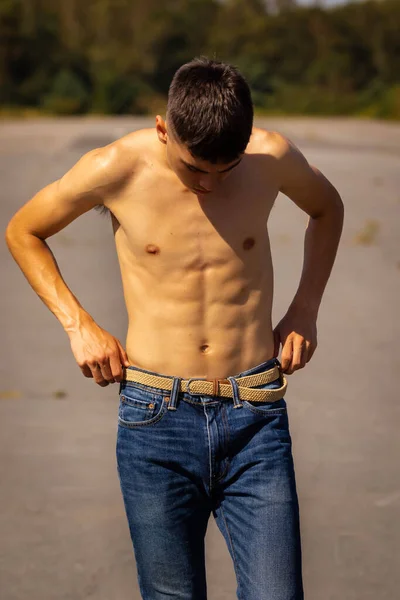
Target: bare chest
x=162 y=227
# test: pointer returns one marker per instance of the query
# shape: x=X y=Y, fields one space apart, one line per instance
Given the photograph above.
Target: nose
x=205 y=184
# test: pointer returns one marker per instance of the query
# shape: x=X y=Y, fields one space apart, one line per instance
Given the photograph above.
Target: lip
x=201 y=192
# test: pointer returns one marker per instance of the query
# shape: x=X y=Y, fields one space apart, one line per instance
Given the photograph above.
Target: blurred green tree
x=119 y=56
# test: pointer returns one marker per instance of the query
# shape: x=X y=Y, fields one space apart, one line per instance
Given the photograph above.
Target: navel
x=152 y=249
x=248 y=243
x=204 y=348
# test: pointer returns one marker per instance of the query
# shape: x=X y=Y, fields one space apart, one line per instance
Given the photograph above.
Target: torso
x=197 y=273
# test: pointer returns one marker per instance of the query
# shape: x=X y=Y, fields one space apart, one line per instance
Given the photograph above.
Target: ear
x=161 y=129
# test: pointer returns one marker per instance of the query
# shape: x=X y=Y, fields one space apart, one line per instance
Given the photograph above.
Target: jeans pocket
x=273 y=415
x=267 y=407
x=139 y=406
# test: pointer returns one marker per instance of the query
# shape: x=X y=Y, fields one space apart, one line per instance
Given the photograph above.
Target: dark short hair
x=210 y=109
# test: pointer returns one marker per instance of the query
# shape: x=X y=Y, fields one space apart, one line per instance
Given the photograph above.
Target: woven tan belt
x=218 y=387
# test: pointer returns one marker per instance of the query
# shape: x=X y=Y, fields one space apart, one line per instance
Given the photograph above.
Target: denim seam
x=200 y=403
x=272 y=411
x=147 y=388
x=209 y=448
x=136 y=402
x=226 y=429
x=276 y=434
x=233 y=551
x=131 y=425
x=222 y=475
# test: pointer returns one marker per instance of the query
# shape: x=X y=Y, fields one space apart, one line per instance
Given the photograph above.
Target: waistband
x=241 y=386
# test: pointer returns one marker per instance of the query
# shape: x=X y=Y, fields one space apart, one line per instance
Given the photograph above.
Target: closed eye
x=195 y=170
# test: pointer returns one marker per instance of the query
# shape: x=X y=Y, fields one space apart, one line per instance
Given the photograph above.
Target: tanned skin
x=196 y=267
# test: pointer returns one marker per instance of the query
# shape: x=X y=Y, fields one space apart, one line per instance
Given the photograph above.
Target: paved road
x=63 y=532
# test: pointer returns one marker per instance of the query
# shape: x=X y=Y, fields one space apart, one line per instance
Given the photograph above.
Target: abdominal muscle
x=198 y=318
x=197 y=273
x=208 y=332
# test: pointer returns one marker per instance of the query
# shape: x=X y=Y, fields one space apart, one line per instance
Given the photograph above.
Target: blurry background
x=77 y=75
x=118 y=56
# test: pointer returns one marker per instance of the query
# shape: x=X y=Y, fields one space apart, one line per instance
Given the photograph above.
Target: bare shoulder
x=290 y=164
x=117 y=161
x=277 y=145
x=302 y=182
x=136 y=146
x=96 y=177
x=121 y=162
x=105 y=170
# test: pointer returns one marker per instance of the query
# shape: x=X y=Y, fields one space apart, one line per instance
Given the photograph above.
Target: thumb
x=277 y=341
x=287 y=354
x=123 y=354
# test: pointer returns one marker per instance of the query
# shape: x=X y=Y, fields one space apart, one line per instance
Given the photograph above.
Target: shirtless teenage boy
x=189 y=202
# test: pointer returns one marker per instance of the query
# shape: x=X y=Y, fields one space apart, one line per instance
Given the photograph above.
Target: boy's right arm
x=96 y=175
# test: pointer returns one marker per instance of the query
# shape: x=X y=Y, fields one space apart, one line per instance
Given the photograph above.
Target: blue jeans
x=176 y=466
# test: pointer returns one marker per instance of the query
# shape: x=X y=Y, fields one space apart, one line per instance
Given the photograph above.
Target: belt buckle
x=194 y=379
x=216 y=381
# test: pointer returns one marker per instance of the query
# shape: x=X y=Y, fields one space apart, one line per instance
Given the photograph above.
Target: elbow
x=11 y=230
x=335 y=214
x=14 y=234
x=337 y=199
x=12 y=237
x=9 y=233
x=335 y=204
x=338 y=207
x=333 y=209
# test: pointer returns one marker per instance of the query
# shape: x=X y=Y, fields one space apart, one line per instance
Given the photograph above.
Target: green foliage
x=119 y=56
x=380 y=102
x=67 y=95
x=114 y=93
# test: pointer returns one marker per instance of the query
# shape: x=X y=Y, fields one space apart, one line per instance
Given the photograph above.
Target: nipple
x=248 y=243
x=152 y=249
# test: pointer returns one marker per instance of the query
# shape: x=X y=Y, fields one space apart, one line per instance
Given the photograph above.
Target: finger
x=123 y=355
x=97 y=375
x=106 y=370
x=299 y=354
x=286 y=358
x=104 y=383
x=116 y=368
x=86 y=370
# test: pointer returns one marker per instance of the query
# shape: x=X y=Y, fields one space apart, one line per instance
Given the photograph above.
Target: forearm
x=320 y=247
x=40 y=268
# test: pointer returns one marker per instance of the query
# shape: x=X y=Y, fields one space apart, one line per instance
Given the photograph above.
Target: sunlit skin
x=196 y=174
x=196 y=268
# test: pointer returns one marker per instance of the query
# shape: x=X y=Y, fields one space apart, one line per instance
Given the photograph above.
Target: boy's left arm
x=311 y=191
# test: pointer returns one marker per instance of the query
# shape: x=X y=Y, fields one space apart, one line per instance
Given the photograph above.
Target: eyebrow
x=201 y=170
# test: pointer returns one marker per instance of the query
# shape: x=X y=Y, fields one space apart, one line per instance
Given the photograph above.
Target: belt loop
x=237 y=403
x=174 y=394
